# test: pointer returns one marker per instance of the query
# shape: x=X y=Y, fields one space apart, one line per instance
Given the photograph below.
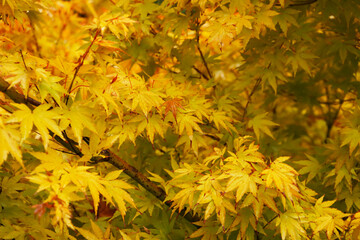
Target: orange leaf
x=172 y=105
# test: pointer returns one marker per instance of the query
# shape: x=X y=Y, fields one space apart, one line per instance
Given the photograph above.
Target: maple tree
x=163 y=119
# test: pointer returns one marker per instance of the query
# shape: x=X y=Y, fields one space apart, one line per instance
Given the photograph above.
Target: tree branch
x=332 y=119
x=258 y=81
x=111 y=158
x=199 y=49
x=134 y=173
x=301 y=3
x=204 y=61
x=14 y=95
x=201 y=73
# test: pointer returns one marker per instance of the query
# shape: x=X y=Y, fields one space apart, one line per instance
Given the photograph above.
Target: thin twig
x=80 y=63
x=270 y=221
x=72 y=145
x=204 y=61
x=22 y=57
x=201 y=73
x=63 y=151
x=35 y=38
x=302 y=3
x=258 y=81
x=199 y=49
x=14 y=95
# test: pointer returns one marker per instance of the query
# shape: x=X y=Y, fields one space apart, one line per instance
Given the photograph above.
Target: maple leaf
x=220 y=119
x=261 y=123
x=9 y=144
x=80 y=118
x=243 y=21
x=40 y=209
x=264 y=17
x=64 y=66
x=283 y=177
x=351 y=198
x=301 y=58
x=189 y=123
x=351 y=137
x=172 y=105
x=146 y=100
x=41 y=117
x=290 y=225
x=285 y=18
x=153 y=125
x=126 y=131
x=50 y=85
x=311 y=166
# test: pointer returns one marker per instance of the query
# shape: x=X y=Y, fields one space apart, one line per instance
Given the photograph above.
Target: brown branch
x=268 y=222
x=204 y=61
x=258 y=81
x=301 y=3
x=80 y=62
x=199 y=49
x=22 y=57
x=135 y=174
x=14 y=95
x=201 y=73
x=112 y=158
x=20 y=98
x=330 y=123
x=298 y=3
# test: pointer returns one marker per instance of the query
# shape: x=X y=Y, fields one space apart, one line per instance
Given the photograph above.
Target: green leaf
x=351 y=137
x=87 y=234
x=261 y=123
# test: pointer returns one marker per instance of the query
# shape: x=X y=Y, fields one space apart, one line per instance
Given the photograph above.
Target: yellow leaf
x=113 y=175
x=290 y=225
x=351 y=137
x=9 y=144
x=222 y=215
x=80 y=118
x=98 y=232
x=87 y=234
x=322 y=223
x=209 y=210
x=189 y=123
x=260 y=123
x=66 y=67
x=146 y=100
x=258 y=208
x=153 y=125
x=198 y=233
x=124 y=235
x=220 y=119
